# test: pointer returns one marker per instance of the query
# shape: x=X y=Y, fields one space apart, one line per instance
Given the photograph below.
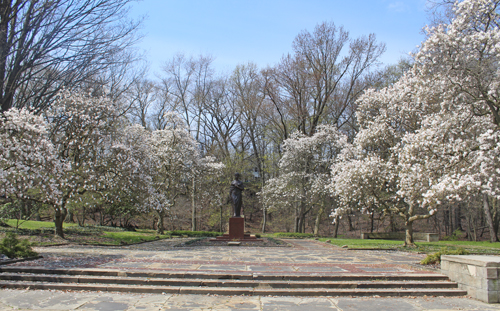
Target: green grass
x=195 y=233
x=32 y=225
x=42 y=233
x=359 y=243
x=132 y=237
x=288 y=235
x=481 y=247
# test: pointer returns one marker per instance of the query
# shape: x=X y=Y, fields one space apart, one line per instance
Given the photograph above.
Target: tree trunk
x=264 y=219
x=296 y=223
x=336 y=229
x=71 y=216
x=193 y=207
x=318 y=220
x=220 y=225
x=372 y=216
x=409 y=233
x=458 y=217
x=392 y=224
x=301 y=222
x=60 y=215
x=489 y=219
x=349 y=222
x=159 y=225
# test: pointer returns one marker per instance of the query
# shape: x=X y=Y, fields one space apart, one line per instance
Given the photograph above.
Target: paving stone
x=305 y=257
x=379 y=304
x=194 y=302
x=297 y=304
x=10 y=293
x=220 y=267
x=171 y=266
x=150 y=303
x=62 y=301
x=319 y=269
x=381 y=269
x=443 y=303
x=105 y=306
x=270 y=268
x=110 y=302
x=28 y=300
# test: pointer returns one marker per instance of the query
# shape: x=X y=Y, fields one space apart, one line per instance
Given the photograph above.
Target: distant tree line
x=324 y=132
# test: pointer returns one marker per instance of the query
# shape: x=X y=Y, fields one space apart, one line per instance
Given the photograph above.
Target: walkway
x=304 y=257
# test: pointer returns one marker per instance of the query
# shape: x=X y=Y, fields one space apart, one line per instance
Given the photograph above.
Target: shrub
x=275 y=241
x=196 y=233
x=294 y=235
x=455 y=236
x=12 y=247
x=436 y=257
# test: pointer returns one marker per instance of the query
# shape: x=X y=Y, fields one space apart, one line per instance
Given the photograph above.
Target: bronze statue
x=235 y=191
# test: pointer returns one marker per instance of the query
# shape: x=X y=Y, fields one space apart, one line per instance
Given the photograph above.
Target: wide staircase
x=228 y=283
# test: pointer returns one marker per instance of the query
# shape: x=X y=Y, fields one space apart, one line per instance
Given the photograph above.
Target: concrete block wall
x=478 y=275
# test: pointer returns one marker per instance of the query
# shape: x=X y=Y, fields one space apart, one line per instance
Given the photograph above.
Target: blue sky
x=261 y=31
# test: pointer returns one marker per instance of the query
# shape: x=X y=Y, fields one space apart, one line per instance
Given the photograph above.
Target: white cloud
x=398 y=6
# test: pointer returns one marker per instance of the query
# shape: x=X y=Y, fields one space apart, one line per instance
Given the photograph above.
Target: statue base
x=236 y=231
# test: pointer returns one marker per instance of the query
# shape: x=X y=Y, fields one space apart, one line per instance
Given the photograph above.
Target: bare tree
x=247 y=87
x=189 y=80
x=143 y=95
x=440 y=11
x=323 y=77
x=47 y=45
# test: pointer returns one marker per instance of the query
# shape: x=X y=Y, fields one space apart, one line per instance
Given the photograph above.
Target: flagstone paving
x=302 y=257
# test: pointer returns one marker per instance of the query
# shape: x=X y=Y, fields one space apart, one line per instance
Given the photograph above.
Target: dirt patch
x=266 y=242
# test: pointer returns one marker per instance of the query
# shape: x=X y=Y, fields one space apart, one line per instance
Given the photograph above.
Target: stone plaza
x=301 y=257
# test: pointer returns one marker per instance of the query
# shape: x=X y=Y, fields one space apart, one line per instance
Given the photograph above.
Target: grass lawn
x=481 y=247
x=132 y=237
x=42 y=233
x=31 y=224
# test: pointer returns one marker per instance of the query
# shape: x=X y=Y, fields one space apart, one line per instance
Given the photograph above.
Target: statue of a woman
x=235 y=191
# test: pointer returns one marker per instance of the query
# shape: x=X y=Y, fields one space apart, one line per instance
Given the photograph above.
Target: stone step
x=259 y=291
x=221 y=283
x=229 y=283
x=231 y=275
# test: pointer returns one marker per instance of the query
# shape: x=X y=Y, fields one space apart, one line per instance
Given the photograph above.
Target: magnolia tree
x=128 y=169
x=362 y=181
x=304 y=174
x=464 y=58
x=29 y=166
x=209 y=191
x=71 y=153
x=175 y=154
x=434 y=133
x=456 y=148
x=82 y=129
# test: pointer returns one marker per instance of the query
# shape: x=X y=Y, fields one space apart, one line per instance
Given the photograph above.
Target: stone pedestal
x=236 y=228
x=236 y=231
x=478 y=275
